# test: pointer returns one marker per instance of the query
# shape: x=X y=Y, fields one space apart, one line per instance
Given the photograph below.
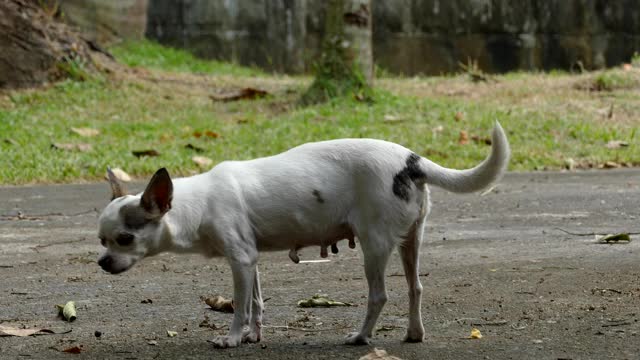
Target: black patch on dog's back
x=318 y=196
x=411 y=172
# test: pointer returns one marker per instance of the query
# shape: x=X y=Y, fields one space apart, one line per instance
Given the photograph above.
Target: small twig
x=401 y=274
x=463 y=320
x=37 y=247
x=590 y=233
x=525 y=292
x=6 y=266
x=620 y=323
x=490 y=323
x=10 y=320
x=22 y=216
x=487 y=191
x=287 y=327
x=607 y=289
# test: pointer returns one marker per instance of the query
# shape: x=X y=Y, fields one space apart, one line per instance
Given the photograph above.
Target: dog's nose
x=106 y=262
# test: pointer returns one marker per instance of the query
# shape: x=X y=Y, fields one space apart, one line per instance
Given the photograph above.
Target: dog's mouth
x=116 y=271
x=110 y=265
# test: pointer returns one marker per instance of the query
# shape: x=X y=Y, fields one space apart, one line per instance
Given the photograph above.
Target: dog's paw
x=355 y=338
x=251 y=336
x=223 y=342
x=414 y=335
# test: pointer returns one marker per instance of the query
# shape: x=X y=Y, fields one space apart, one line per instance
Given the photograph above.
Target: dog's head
x=131 y=226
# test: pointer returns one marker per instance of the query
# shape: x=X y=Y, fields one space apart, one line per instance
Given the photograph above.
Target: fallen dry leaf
x=72 y=147
x=379 y=354
x=85 y=132
x=218 y=303
x=569 y=164
x=211 y=134
x=119 y=174
x=194 y=148
x=166 y=137
x=475 y=334
x=617 y=144
x=84 y=147
x=360 y=97
x=614 y=238
x=10 y=331
x=437 y=129
x=321 y=301
x=464 y=138
x=606 y=112
x=392 y=118
x=207 y=133
x=611 y=165
x=481 y=140
x=459 y=116
x=141 y=153
x=10 y=142
x=73 y=350
x=67 y=311
x=202 y=161
x=244 y=94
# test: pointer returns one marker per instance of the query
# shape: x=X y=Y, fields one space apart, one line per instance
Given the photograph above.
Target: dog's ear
x=156 y=199
x=117 y=188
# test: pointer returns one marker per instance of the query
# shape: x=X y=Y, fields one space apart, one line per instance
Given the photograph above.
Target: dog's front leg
x=244 y=273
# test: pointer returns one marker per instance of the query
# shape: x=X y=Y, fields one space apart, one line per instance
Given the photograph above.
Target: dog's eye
x=125 y=239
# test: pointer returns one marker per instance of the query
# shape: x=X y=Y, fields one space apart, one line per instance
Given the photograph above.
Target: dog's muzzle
x=107 y=263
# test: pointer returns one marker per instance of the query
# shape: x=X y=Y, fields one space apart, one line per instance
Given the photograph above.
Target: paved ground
x=496 y=262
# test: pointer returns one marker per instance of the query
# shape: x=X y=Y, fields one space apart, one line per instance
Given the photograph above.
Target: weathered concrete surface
x=107 y=21
x=410 y=36
x=496 y=261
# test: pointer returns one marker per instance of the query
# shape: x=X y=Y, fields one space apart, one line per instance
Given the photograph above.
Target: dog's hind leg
x=376 y=250
x=410 y=254
x=254 y=333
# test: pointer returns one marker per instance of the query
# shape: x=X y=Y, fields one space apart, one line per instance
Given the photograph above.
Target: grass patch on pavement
x=552 y=122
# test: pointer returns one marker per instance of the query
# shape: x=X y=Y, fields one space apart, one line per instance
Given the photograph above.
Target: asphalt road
x=496 y=262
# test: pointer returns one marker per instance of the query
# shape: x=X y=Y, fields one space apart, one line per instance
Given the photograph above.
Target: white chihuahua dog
x=314 y=194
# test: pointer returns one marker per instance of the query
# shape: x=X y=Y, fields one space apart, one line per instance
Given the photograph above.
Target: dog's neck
x=181 y=225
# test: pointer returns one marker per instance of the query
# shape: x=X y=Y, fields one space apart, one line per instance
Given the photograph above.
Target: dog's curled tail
x=477 y=178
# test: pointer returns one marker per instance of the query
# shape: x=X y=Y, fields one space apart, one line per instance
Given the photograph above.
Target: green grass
x=138 y=114
x=152 y=55
x=611 y=80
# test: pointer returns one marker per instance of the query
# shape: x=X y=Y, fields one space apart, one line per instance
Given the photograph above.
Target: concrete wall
x=106 y=21
x=410 y=36
x=432 y=36
x=281 y=35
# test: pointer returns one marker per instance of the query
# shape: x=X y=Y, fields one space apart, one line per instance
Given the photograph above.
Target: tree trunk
x=346 y=63
x=35 y=48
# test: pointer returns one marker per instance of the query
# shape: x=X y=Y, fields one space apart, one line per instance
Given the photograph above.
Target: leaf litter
x=67 y=311
x=218 y=303
x=321 y=301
